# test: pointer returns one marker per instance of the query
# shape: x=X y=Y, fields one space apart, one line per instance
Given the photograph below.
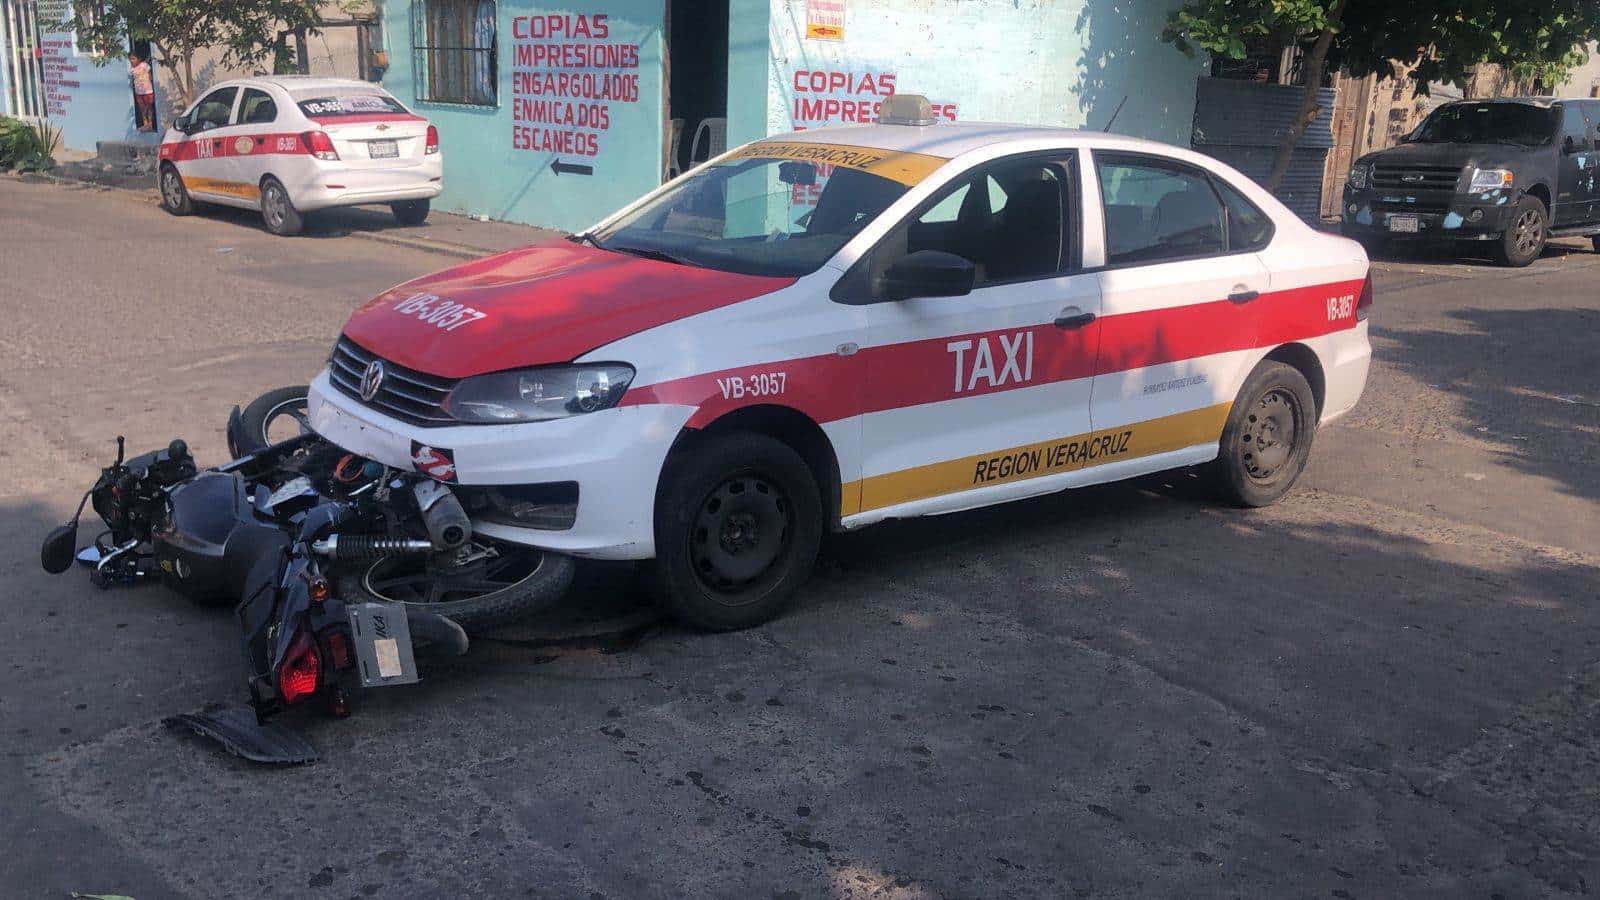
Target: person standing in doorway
x=144 y=92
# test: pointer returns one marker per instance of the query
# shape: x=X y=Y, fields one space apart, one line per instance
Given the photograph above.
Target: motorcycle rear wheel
x=517 y=582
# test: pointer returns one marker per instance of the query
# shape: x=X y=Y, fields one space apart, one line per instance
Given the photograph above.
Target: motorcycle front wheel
x=503 y=582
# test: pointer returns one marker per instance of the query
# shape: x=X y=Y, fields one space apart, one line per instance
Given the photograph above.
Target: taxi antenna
x=1114 y=113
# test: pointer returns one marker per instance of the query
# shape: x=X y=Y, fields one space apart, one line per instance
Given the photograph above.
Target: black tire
x=534 y=580
x=266 y=414
x=1267 y=439
x=174 y=195
x=410 y=212
x=1595 y=243
x=277 y=209
x=724 y=496
x=1526 y=233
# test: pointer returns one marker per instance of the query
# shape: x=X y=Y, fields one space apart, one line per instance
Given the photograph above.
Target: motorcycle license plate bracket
x=382 y=637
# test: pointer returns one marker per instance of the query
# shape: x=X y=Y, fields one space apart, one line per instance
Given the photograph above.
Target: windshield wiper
x=651 y=253
x=585 y=237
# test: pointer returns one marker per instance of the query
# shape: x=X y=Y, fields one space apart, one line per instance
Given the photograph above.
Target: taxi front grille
x=405 y=394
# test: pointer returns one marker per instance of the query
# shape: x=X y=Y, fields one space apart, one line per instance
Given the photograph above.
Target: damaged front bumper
x=1457 y=217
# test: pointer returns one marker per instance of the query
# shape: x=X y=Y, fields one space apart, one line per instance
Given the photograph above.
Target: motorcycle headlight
x=1490 y=180
x=1358 y=176
x=537 y=395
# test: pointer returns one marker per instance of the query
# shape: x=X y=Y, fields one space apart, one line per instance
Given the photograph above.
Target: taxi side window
x=257 y=108
x=1248 y=227
x=1007 y=220
x=214 y=109
x=1157 y=211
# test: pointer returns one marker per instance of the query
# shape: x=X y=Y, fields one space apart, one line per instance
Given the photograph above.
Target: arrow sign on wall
x=559 y=167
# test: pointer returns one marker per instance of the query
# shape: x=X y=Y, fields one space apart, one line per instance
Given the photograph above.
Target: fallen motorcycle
x=340 y=569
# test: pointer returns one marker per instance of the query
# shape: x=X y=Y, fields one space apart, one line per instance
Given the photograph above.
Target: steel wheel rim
x=739 y=534
x=275 y=202
x=414 y=579
x=170 y=189
x=1270 y=435
x=294 y=409
x=1527 y=231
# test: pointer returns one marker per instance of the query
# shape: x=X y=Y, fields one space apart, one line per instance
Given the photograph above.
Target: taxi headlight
x=537 y=395
x=1489 y=180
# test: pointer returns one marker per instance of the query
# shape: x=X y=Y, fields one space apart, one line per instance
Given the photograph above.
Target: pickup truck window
x=1489 y=123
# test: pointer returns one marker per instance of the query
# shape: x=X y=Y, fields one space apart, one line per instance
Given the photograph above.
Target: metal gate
x=20 y=55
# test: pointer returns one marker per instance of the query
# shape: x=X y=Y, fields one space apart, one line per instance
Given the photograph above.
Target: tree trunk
x=1316 y=63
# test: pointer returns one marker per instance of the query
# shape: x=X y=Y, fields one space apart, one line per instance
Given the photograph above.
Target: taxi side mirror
x=928 y=273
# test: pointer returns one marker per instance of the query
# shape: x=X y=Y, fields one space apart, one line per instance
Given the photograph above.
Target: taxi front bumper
x=614 y=456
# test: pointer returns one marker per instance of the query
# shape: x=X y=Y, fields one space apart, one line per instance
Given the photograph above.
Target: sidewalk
x=457 y=236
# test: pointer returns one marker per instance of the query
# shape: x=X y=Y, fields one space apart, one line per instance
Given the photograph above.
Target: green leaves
x=27 y=147
x=1444 y=38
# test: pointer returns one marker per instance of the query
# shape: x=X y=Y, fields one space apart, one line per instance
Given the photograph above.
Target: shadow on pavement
x=1524 y=375
x=1117 y=690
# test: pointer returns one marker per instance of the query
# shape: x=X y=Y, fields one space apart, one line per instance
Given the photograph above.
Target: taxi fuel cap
x=906 y=109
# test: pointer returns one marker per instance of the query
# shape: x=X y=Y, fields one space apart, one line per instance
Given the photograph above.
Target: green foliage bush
x=26 y=147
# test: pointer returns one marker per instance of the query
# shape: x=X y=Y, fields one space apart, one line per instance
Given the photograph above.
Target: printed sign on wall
x=825 y=20
x=567 y=73
x=840 y=97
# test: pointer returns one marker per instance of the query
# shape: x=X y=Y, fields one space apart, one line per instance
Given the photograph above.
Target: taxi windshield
x=754 y=215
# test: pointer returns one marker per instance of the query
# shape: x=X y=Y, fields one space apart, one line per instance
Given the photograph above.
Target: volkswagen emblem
x=371 y=380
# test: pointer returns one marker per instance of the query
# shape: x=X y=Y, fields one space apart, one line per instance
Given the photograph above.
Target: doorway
x=697 y=83
x=142 y=78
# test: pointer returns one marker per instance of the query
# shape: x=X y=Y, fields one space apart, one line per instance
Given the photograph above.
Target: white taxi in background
x=288 y=145
x=822 y=330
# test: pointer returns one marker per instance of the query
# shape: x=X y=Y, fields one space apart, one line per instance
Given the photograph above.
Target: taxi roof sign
x=906 y=109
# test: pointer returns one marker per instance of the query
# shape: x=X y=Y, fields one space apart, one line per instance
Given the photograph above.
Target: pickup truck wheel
x=410 y=212
x=738 y=523
x=1595 y=243
x=1267 y=439
x=174 y=196
x=1525 y=235
x=277 y=210
x=513 y=582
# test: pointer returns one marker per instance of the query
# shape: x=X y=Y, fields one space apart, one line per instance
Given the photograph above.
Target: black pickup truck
x=1511 y=173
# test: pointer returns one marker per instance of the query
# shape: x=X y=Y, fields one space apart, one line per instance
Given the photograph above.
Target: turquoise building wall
x=88 y=102
x=1054 y=62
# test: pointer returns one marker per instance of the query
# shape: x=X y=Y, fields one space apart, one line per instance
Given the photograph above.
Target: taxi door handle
x=1243 y=296
x=1078 y=320
x=261 y=140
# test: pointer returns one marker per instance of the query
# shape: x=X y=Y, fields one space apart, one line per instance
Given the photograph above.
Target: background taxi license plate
x=390 y=150
x=1406 y=224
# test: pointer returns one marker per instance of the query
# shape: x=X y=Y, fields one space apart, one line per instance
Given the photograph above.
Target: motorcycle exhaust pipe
x=442 y=514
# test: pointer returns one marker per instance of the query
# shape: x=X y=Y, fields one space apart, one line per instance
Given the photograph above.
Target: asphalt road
x=1386 y=685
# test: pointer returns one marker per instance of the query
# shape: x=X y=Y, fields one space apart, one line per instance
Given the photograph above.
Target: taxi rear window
x=350 y=105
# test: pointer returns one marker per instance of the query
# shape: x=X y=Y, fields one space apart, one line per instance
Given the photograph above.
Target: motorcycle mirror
x=60 y=546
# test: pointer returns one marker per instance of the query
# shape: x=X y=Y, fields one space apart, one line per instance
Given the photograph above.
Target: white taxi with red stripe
x=835 y=327
x=288 y=145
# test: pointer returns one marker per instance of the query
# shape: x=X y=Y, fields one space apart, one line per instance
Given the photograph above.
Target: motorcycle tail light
x=432 y=144
x=301 y=670
x=1364 y=303
x=318 y=144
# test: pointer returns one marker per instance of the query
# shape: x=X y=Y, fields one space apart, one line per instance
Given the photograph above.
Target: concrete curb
x=428 y=245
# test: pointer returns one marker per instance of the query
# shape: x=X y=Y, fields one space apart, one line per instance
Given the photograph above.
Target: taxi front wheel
x=738 y=523
x=1267 y=439
x=174 y=196
x=277 y=210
